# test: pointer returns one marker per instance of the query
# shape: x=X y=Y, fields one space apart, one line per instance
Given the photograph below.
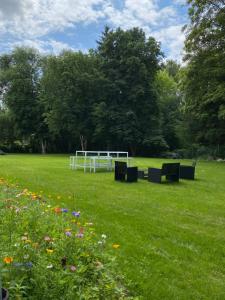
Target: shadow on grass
x=170 y=183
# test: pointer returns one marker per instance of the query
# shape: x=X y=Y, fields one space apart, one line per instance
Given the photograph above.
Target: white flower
x=100 y=242
x=104 y=236
x=49 y=267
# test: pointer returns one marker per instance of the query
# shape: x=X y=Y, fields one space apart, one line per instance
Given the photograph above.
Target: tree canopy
x=205 y=76
x=122 y=95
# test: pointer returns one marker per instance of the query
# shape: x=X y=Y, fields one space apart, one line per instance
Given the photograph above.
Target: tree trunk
x=133 y=150
x=83 y=142
x=43 y=146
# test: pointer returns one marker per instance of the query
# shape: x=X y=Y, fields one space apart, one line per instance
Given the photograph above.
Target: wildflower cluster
x=47 y=251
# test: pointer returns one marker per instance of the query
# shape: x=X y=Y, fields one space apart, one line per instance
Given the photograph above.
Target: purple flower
x=79 y=235
x=68 y=233
x=65 y=210
x=76 y=213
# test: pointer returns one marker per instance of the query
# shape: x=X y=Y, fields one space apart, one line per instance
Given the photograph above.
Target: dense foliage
x=204 y=83
x=129 y=63
x=106 y=99
x=120 y=96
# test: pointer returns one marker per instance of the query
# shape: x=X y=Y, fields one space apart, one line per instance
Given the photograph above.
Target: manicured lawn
x=171 y=235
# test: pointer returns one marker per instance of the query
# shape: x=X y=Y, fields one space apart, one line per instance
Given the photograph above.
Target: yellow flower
x=58 y=197
x=89 y=224
x=8 y=260
x=68 y=229
x=116 y=246
x=49 y=251
x=28 y=241
x=35 y=245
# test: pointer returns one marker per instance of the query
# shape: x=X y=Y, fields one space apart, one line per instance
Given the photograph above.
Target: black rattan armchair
x=124 y=173
x=170 y=170
x=187 y=172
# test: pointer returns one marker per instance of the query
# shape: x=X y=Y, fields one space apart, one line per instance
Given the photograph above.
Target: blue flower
x=28 y=264
x=68 y=233
x=76 y=213
x=65 y=210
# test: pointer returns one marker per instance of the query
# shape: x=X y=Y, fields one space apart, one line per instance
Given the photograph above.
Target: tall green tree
x=169 y=102
x=19 y=81
x=69 y=89
x=129 y=62
x=7 y=132
x=204 y=83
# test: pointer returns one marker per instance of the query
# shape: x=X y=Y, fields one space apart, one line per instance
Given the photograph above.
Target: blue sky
x=54 y=25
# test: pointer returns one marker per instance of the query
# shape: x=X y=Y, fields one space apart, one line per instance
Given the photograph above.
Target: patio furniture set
x=120 y=162
x=172 y=172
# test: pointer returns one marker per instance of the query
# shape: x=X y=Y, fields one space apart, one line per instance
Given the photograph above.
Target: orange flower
x=116 y=246
x=81 y=230
x=57 y=210
x=8 y=260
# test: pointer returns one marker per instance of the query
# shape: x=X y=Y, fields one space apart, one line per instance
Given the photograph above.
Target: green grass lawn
x=172 y=236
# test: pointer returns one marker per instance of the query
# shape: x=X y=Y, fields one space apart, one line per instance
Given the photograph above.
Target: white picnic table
x=93 y=160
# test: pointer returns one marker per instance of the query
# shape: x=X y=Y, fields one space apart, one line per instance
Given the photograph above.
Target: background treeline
x=120 y=96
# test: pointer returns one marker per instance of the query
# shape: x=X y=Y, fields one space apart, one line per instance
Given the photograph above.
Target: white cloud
x=139 y=13
x=12 y=8
x=162 y=23
x=173 y=38
x=31 y=22
x=35 y=18
x=47 y=46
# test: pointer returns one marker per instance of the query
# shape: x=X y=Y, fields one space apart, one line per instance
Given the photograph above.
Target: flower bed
x=47 y=252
